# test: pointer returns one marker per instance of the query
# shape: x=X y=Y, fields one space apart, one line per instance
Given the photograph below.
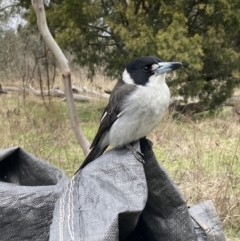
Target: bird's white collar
x=127 y=78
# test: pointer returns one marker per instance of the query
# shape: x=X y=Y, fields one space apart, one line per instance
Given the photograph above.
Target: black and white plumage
x=136 y=105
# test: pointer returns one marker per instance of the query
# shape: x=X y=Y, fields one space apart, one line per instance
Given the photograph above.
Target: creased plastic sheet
x=206 y=222
x=166 y=215
x=116 y=197
x=29 y=188
x=103 y=201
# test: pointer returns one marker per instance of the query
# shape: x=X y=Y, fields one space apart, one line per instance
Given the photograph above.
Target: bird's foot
x=137 y=154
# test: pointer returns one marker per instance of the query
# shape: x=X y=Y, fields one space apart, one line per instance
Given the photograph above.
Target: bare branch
x=66 y=74
x=58 y=93
x=93 y=92
x=52 y=92
x=86 y=90
x=13 y=89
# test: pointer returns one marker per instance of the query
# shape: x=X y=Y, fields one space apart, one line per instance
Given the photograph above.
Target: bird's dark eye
x=147 y=68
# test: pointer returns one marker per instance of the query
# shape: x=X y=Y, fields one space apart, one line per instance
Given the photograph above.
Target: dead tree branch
x=84 y=89
x=2 y=91
x=59 y=93
x=52 y=92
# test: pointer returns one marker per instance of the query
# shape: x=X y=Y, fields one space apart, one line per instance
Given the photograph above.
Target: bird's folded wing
x=113 y=109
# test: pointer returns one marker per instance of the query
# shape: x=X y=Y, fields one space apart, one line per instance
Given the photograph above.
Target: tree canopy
x=203 y=34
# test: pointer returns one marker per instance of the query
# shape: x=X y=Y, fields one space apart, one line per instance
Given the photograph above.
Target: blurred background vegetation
x=202 y=34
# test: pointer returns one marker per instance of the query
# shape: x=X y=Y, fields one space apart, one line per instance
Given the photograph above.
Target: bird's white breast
x=141 y=113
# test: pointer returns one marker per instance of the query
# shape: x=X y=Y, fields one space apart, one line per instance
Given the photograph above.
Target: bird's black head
x=140 y=70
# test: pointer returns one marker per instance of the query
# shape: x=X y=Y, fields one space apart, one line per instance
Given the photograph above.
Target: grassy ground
x=201 y=154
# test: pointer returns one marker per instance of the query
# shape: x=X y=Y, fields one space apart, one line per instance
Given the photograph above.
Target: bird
x=136 y=105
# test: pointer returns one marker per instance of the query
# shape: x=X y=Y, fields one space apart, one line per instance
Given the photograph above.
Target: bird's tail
x=93 y=154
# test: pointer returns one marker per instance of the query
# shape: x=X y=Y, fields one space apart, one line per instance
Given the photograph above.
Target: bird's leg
x=137 y=154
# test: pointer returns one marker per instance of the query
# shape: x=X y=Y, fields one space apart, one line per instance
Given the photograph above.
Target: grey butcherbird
x=136 y=105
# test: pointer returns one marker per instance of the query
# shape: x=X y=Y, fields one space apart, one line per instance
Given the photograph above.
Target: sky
x=14 y=21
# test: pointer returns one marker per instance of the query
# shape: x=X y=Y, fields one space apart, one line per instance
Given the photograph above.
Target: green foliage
x=204 y=35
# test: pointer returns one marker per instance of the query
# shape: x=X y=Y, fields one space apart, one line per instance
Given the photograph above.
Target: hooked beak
x=165 y=67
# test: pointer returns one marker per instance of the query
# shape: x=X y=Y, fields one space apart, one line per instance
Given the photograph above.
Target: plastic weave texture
x=116 y=197
x=206 y=222
x=29 y=188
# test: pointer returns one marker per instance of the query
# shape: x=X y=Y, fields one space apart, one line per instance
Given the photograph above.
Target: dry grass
x=202 y=155
x=45 y=132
